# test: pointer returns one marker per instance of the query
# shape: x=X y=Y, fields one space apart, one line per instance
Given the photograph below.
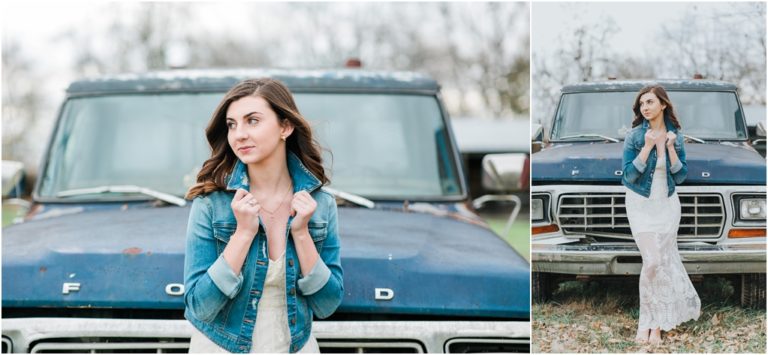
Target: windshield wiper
x=698 y=140
x=584 y=135
x=125 y=189
x=346 y=196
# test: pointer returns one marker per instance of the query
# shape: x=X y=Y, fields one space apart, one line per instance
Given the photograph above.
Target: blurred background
x=575 y=42
x=478 y=52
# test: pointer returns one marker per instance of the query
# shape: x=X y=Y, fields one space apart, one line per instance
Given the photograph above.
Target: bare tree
x=22 y=101
x=581 y=56
x=723 y=45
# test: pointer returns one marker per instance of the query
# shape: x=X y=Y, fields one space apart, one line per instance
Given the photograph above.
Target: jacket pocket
x=318 y=231
x=222 y=232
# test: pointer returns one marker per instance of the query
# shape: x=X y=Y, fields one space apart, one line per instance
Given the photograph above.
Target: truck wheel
x=753 y=291
x=541 y=285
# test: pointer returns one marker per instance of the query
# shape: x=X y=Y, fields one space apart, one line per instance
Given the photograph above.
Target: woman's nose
x=240 y=133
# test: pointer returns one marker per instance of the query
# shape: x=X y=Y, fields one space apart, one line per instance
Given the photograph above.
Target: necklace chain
x=281 y=203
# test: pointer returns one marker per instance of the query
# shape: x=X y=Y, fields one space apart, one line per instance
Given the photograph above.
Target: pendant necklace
x=271 y=214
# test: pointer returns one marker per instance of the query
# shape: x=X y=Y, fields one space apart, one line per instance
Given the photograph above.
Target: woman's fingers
x=239 y=194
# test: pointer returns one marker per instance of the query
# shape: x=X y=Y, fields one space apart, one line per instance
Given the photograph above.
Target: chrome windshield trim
x=124 y=189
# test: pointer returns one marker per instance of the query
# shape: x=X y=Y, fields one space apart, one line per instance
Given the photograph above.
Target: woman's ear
x=287 y=129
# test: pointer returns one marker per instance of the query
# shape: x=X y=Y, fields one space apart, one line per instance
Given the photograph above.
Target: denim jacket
x=637 y=176
x=223 y=304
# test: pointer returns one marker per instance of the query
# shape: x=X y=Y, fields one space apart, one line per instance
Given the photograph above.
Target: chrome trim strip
x=432 y=334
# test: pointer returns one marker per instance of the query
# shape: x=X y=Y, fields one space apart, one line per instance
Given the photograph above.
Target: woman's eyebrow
x=247 y=115
x=252 y=113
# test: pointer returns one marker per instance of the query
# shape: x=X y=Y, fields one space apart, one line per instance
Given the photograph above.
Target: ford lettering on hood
x=598 y=162
x=424 y=264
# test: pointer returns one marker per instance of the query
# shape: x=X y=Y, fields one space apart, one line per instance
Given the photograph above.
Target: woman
x=262 y=253
x=654 y=162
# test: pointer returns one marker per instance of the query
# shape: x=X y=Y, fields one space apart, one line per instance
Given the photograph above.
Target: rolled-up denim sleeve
x=324 y=285
x=203 y=297
x=316 y=279
x=632 y=166
x=224 y=277
x=679 y=171
x=639 y=164
x=676 y=167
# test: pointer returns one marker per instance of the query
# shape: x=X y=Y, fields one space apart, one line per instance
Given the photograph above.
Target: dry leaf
x=715 y=320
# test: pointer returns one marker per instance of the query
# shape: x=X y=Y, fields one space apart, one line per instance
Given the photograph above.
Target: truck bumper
x=26 y=335
x=624 y=259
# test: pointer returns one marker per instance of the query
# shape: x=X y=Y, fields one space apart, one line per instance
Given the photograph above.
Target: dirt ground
x=601 y=316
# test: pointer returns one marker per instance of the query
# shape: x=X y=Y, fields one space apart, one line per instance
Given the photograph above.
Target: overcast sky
x=38 y=24
x=638 y=22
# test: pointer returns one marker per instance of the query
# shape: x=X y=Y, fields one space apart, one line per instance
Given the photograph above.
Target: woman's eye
x=252 y=121
x=231 y=125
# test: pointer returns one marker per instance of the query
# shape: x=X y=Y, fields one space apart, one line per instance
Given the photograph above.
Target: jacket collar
x=667 y=122
x=302 y=178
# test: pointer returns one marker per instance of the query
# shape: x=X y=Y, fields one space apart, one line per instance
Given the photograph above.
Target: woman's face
x=253 y=129
x=651 y=107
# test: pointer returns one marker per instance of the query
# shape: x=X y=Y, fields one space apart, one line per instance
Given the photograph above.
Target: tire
x=541 y=286
x=753 y=291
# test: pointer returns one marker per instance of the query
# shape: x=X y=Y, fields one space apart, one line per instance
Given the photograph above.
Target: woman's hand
x=650 y=139
x=302 y=208
x=246 y=210
x=671 y=136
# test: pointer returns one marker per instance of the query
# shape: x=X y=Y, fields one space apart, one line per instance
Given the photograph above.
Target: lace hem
x=667 y=295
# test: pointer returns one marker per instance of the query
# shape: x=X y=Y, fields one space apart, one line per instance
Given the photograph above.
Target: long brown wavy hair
x=212 y=176
x=658 y=90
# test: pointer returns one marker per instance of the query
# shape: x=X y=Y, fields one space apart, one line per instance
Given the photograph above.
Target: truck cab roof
x=222 y=79
x=635 y=85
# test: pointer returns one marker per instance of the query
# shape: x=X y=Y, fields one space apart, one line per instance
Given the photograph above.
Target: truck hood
x=601 y=163
x=128 y=258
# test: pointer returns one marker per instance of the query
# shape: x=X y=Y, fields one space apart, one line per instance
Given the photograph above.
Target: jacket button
x=293 y=292
x=290 y=262
x=293 y=321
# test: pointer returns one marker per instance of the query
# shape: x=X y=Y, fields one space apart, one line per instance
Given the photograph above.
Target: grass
x=11 y=212
x=601 y=316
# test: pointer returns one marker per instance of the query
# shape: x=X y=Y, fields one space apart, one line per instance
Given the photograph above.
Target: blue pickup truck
x=579 y=222
x=98 y=264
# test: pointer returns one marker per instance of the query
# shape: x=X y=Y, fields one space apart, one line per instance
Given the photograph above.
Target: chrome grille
x=488 y=345
x=702 y=215
x=378 y=346
x=111 y=345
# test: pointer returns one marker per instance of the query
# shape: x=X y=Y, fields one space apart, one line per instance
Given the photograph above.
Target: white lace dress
x=271 y=333
x=667 y=296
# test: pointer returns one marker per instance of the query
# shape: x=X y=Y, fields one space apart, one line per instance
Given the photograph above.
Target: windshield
x=705 y=115
x=377 y=145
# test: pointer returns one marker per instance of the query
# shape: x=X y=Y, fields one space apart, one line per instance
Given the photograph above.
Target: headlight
x=752 y=209
x=539 y=208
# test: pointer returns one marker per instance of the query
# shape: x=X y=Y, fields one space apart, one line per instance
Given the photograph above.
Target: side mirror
x=13 y=179
x=14 y=208
x=505 y=173
x=537 y=132
x=502 y=175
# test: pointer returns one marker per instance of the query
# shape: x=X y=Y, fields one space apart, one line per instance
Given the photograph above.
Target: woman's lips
x=245 y=149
